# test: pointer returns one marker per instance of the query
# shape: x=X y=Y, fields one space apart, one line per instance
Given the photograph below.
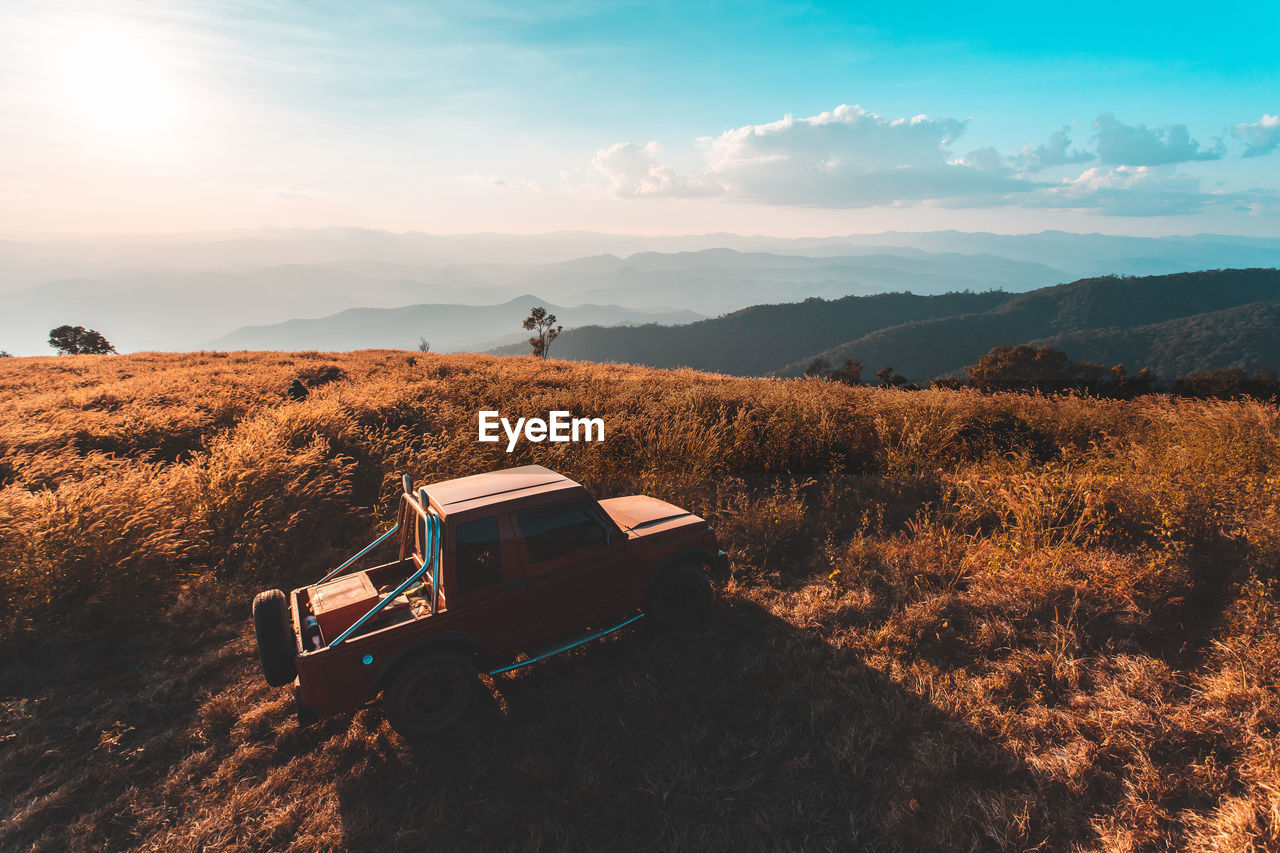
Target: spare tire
x=274 y=629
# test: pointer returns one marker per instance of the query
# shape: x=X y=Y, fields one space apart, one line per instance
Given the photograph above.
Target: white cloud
x=845 y=158
x=633 y=171
x=1141 y=191
x=1120 y=144
x=852 y=158
x=1055 y=152
x=1262 y=136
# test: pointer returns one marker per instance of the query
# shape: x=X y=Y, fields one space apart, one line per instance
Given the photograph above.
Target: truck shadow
x=752 y=734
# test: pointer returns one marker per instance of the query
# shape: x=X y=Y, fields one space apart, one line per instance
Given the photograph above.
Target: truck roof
x=480 y=490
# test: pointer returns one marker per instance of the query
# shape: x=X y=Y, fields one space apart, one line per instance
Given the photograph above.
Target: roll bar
x=406 y=483
x=431 y=530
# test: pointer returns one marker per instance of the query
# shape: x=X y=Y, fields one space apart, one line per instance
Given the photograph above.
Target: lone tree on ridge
x=77 y=340
x=544 y=325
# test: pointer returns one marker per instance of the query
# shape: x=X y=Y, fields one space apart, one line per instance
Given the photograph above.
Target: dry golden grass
x=953 y=621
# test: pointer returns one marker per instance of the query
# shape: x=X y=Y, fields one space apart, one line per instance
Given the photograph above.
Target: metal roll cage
x=416 y=509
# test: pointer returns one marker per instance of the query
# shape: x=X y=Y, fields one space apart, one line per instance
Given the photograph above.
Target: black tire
x=679 y=597
x=274 y=629
x=429 y=693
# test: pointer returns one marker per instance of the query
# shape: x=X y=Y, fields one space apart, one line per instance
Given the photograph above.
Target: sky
x=792 y=119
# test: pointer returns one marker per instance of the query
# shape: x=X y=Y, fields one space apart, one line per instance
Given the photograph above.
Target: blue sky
x=639 y=117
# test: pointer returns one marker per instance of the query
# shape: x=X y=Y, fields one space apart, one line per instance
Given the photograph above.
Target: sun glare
x=115 y=85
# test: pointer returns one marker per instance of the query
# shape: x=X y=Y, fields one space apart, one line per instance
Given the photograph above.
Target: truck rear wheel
x=679 y=597
x=276 y=647
x=429 y=693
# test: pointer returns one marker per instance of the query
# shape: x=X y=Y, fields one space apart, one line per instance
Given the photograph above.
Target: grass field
x=953 y=621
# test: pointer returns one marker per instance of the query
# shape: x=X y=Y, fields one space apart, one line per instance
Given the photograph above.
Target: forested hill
x=1185 y=319
x=1242 y=337
x=1173 y=323
x=760 y=339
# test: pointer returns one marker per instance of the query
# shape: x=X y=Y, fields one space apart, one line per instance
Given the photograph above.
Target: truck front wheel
x=429 y=693
x=274 y=630
x=679 y=597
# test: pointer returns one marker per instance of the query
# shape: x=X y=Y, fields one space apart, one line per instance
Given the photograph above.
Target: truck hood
x=644 y=515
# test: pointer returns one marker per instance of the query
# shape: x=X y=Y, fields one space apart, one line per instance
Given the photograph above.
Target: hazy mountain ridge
x=156 y=309
x=1078 y=254
x=449 y=328
x=172 y=292
x=715 y=281
x=170 y=312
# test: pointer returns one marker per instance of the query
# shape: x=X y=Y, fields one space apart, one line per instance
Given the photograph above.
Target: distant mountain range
x=178 y=292
x=28 y=261
x=1174 y=324
x=448 y=328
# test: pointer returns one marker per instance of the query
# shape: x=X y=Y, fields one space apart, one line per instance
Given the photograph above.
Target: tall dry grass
x=953 y=620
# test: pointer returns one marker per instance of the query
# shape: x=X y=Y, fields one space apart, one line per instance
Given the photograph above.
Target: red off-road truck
x=495 y=571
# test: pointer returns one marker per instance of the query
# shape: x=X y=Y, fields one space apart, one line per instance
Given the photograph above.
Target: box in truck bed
x=339 y=603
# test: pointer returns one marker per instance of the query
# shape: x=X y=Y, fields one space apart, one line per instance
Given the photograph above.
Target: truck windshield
x=559 y=530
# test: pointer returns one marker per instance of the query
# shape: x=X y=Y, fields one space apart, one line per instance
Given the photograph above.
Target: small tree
x=1144 y=382
x=1223 y=384
x=1027 y=367
x=889 y=379
x=77 y=340
x=4 y=353
x=424 y=345
x=849 y=374
x=817 y=367
x=544 y=325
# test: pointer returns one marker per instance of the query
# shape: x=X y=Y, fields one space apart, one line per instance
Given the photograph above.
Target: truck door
x=481 y=572
x=572 y=560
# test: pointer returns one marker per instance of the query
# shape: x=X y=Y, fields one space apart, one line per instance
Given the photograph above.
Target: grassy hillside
x=956 y=621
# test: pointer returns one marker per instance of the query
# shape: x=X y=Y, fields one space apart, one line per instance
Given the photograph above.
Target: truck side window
x=556 y=531
x=477 y=555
